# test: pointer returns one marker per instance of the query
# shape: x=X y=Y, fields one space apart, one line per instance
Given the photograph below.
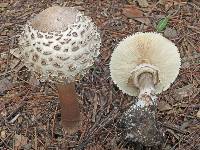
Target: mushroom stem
x=147 y=89
x=70 y=111
x=140 y=119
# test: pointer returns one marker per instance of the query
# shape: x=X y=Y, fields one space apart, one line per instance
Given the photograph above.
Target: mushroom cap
x=144 y=48
x=59 y=44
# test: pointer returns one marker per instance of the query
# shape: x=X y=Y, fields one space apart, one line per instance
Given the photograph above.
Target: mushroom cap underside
x=139 y=48
x=62 y=53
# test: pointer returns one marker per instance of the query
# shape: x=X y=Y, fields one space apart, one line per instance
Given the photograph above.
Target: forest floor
x=30 y=111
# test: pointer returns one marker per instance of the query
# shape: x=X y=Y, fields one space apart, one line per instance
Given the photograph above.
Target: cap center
x=55 y=18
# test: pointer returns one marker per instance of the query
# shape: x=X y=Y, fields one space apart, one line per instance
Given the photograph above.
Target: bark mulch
x=29 y=109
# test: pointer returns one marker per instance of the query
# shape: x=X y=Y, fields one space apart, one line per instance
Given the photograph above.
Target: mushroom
x=59 y=45
x=143 y=65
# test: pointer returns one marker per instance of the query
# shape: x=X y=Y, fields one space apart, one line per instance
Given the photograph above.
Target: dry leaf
x=143 y=3
x=163 y=106
x=20 y=140
x=134 y=13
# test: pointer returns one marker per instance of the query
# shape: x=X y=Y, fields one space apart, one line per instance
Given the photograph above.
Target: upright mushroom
x=144 y=64
x=60 y=44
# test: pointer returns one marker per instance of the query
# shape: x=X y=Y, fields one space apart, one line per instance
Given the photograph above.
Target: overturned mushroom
x=60 y=44
x=143 y=65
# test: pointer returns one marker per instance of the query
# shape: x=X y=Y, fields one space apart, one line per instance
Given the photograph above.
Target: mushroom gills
x=145 y=77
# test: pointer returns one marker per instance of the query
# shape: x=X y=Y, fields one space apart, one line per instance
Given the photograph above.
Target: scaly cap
x=60 y=44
